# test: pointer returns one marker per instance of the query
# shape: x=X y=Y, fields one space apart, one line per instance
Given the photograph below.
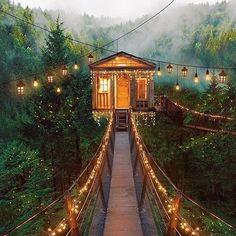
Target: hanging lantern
x=196 y=79
x=76 y=66
x=169 y=68
x=177 y=87
x=20 y=88
x=50 y=78
x=159 y=71
x=222 y=77
x=35 y=83
x=208 y=77
x=184 y=71
x=90 y=58
x=58 y=90
x=64 y=70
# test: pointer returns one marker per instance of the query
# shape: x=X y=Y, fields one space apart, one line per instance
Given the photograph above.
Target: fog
x=124 y=9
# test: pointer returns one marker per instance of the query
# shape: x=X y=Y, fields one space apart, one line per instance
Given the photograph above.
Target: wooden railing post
x=71 y=215
x=102 y=195
x=174 y=216
x=144 y=187
x=108 y=160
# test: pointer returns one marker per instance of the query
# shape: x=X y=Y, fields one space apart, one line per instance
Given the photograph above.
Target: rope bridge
x=77 y=204
x=199 y=121
x=174 y=213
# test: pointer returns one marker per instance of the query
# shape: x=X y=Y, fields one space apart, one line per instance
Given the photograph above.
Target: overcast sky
x=115 y=8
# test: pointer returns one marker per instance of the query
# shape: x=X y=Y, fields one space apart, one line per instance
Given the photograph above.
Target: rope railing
x=174 y=212
x=74 y=202
x=216 y=117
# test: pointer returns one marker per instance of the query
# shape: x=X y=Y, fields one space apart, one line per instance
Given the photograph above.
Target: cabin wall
x=137 y=100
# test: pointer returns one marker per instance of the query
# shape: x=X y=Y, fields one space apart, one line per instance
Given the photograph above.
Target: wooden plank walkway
x=122 y=216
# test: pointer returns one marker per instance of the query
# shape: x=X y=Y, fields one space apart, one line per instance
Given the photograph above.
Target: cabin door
x=122 y=93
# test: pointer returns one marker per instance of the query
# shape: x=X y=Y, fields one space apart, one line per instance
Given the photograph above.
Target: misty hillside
x=166 y=37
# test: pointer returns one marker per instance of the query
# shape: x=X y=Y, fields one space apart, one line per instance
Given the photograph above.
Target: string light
x=171 y=207
x=222 y=76
x=196 y=79
x=35 y=83
x=169 y=68
x=208 y=75
x=90 y=58
x=177 y=87
x=20 y=88
x=100 y=158
x=76 y=66
x=184 y=72
x=159 y=70
x=58 y=90
x=64 y=70
x=50 y=77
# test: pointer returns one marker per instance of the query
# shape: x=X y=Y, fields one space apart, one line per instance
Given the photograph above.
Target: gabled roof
x=122 y=60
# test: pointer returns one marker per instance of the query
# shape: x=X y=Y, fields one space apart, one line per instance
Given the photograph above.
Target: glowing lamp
x=64 y=70
x=76 y=66
x=50 y=78
x=222 y=77
x=208 y=75
x=177 y=87
x=196 y=79
x=159 y=71
x=35 y=83
x=90 y=58
x=184 y=71
x=20 y=88
x=169 y=68
x=58 y=90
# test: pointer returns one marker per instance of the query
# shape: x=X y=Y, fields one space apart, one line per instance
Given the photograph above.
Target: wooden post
x=101 y=188
x=143 y=190
x=173 y=218
x=71 y=215
x=135 y=162
x=108 y=161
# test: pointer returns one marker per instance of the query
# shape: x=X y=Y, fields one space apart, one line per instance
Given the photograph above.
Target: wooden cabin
x=122 y=82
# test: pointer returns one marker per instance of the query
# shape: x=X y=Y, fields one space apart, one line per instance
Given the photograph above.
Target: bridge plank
x=122 y=217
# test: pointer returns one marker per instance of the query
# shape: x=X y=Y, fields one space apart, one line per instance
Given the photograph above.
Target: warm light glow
x=90 y=58
x=64 y=71
x=196 y=79
x=35 y=83
x=20 y=88
x=169 y=68
x=50 y=78
x=159 y=71
x=58 y=90
x=208 y=77
x=76 y=66
x=177 y=87
x=184 y=71
x=222 y=77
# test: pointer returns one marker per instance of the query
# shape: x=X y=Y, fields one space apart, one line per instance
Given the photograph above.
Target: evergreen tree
x=56 y=51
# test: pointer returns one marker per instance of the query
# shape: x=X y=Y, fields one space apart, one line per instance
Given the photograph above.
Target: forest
x=49 y=134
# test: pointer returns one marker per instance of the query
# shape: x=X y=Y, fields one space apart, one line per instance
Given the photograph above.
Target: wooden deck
x=122 y=216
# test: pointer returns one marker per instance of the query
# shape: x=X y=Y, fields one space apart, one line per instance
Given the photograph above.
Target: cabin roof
x=122 y=60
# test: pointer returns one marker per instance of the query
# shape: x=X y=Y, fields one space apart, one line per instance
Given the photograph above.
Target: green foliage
x=25 y=184
x=55 y=53
x=203 y=163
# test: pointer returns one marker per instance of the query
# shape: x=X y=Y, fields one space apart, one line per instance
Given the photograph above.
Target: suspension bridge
x=123 y=190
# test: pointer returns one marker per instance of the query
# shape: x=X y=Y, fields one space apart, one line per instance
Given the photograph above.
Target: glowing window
x=103 y=85
x=141 y=89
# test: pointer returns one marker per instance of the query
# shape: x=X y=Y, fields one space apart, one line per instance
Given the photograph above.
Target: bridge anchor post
x=174 y=216
x=71 y=215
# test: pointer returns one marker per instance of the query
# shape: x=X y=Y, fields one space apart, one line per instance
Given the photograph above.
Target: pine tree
x=56 y=51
